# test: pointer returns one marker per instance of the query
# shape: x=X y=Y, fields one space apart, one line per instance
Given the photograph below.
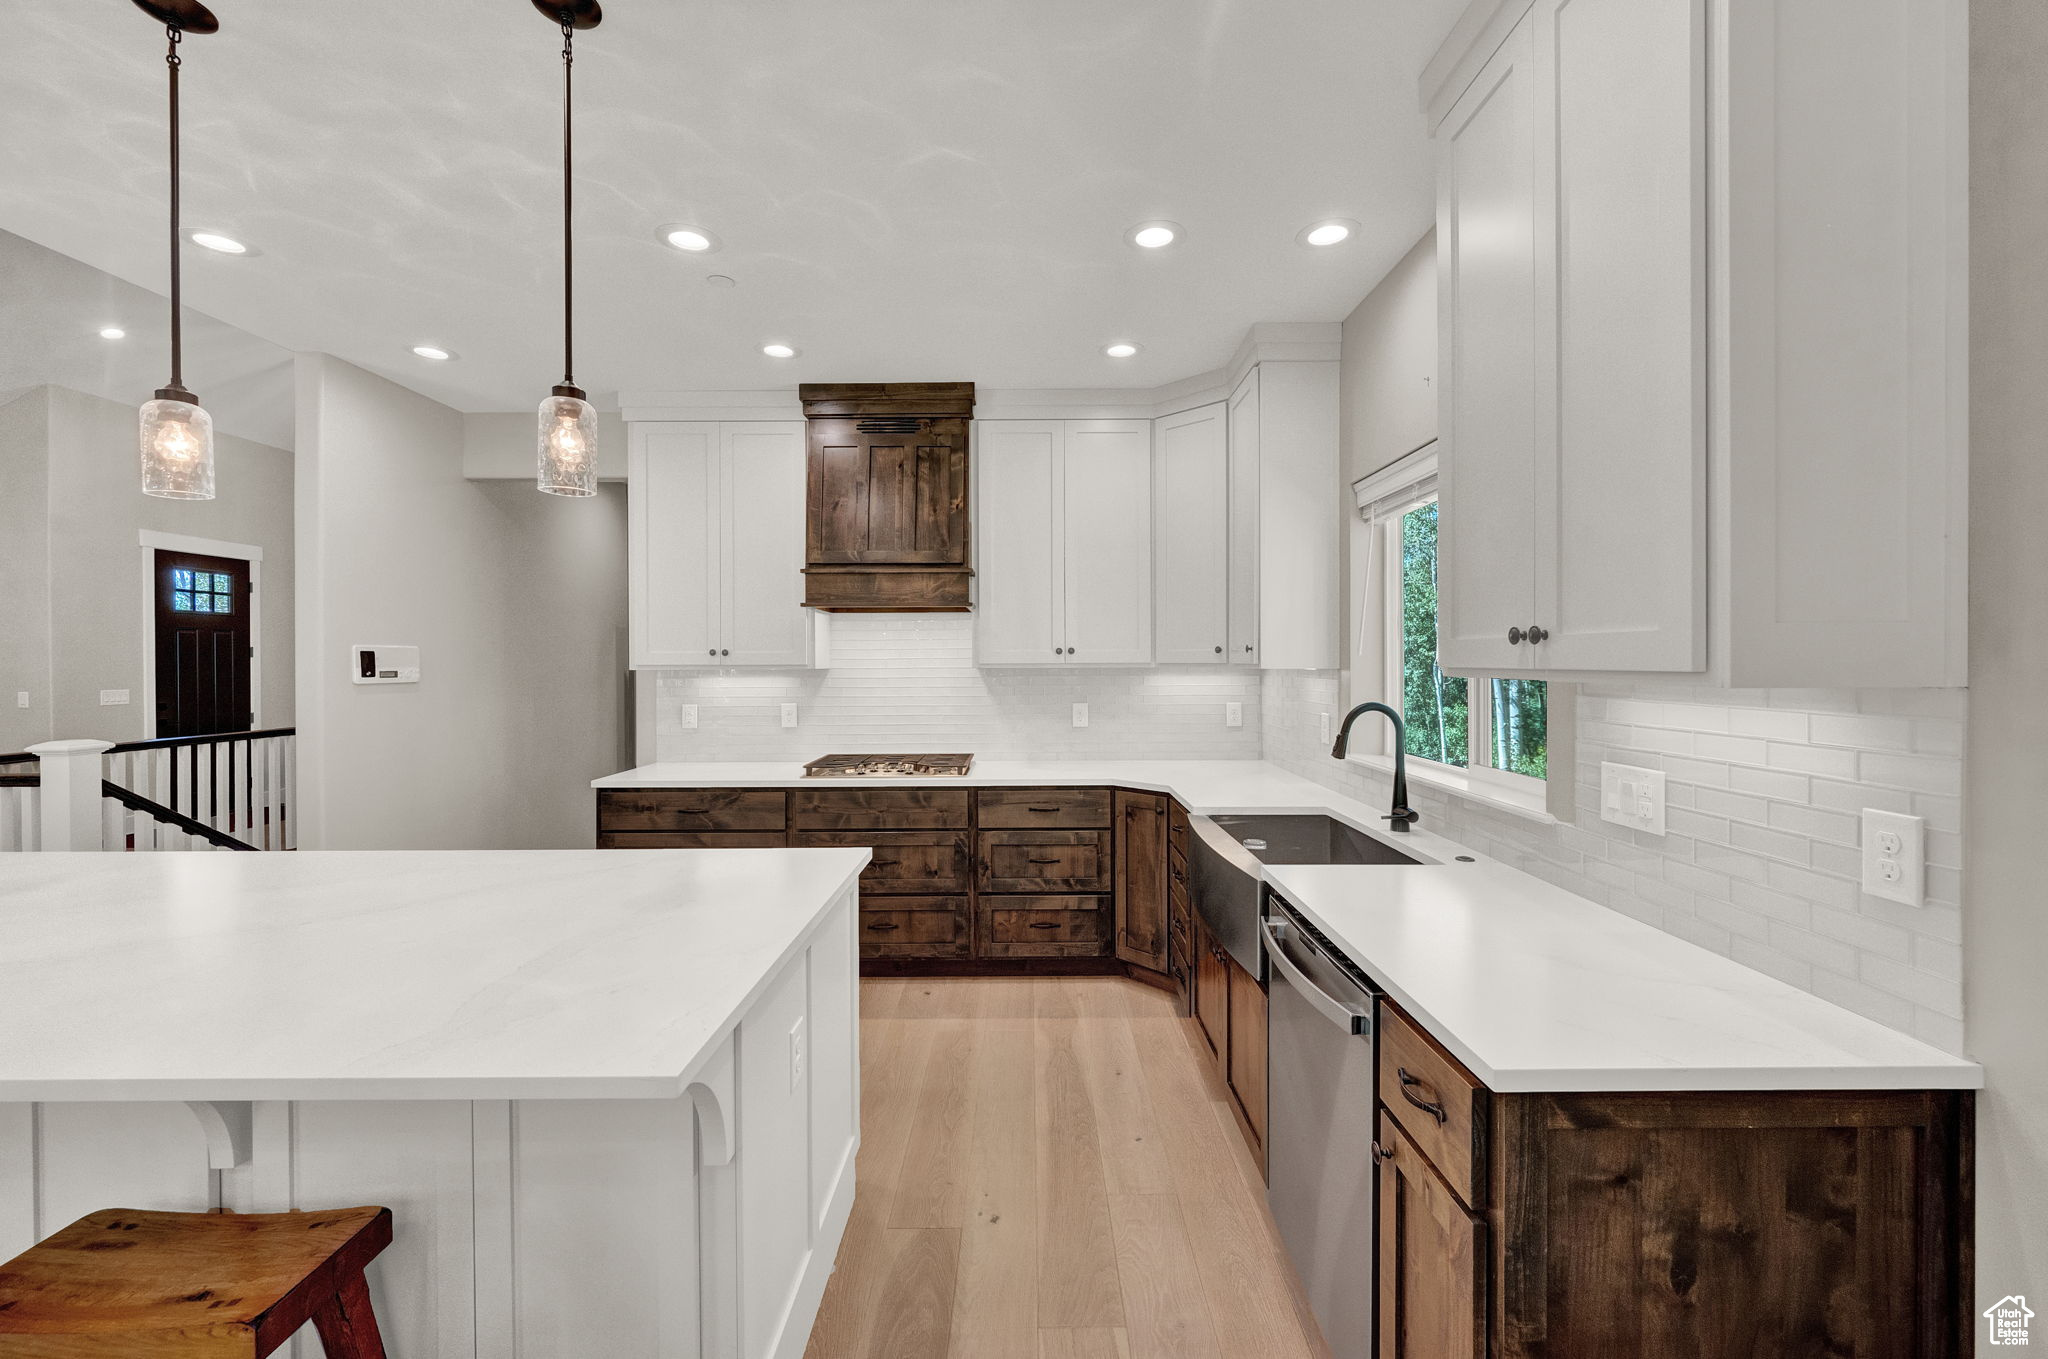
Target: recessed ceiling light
x=113 y=333
x=1330 y=231
x=693 y=239
x=1122 y=349
x=1153 y=235
x=779 y=351
x=434 y=352
x=219 y=244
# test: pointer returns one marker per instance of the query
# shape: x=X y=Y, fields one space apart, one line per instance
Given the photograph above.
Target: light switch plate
x=686 y=716
x=1632 y=796
x=1080 y=714
x=1895 y=857
x=1233 y=714
x=112 y=698
x=1323 y=728
x=21 y=698
x=789 y=714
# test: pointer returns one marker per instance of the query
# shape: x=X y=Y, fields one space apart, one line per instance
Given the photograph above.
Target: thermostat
x=386 y=665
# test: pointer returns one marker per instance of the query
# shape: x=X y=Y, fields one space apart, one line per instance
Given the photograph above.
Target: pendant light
x=568 y=425
x=177 y=433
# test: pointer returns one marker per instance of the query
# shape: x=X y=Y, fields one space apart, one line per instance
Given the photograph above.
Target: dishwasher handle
x=1345 y=1014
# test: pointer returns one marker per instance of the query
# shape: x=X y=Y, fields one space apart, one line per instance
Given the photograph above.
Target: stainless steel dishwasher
x=1320 y=1168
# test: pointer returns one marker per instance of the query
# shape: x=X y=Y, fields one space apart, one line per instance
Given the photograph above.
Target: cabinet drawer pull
x=885 y=863
x=1043 y=861
x=1045 y=924
x=1381 y=1153
x=883 y=925
x=1435 y=1111
x=1044 y=811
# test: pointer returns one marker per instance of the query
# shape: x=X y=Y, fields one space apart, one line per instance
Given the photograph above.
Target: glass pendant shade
x=568 y=445
x=177 y=450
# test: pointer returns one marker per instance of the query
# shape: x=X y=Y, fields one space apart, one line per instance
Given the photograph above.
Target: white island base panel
x=537 y=1228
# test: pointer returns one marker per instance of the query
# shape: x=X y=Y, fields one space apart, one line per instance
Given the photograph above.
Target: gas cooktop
x=888 y=766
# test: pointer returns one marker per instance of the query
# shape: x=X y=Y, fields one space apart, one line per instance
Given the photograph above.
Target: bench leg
x=346 y=1323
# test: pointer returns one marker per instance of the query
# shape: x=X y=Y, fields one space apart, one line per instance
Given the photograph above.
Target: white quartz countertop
x=1532 y=987
x=1535 y=988
x=373 y=975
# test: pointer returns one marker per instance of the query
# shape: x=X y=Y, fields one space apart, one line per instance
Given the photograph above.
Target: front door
x=202 y=644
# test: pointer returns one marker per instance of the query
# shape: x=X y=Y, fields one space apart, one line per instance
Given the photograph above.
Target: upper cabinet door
x=1494 y=531
x=1191 y=537
x=1621 y=280
x=1243 y=456
x=673 y=542
x=889 y=490
x=1019 y=615
x=1107 y=541
x=761 y=562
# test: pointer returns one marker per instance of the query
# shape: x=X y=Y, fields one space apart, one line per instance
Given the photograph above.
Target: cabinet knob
x=1247 y=648
x=1219 y=651
x=723 y=652
x=712 y=652
x=1381 y=1153
x=1536 y=634
x=1515 y=636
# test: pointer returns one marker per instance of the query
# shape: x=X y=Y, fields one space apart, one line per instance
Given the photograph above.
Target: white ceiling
x=904 y=189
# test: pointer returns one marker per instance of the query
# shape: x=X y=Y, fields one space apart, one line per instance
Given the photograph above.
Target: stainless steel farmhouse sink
x=1224 y=867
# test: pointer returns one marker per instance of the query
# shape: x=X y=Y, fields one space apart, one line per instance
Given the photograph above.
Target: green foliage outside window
x=1437 y=707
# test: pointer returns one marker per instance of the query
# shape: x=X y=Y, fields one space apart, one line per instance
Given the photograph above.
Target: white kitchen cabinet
x=1283 y=527
x=1191 y=536
x=1740 y=448
x=1063 y=535
x=715 y=534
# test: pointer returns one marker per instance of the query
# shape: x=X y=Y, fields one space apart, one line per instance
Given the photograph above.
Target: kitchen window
x=1484 y=737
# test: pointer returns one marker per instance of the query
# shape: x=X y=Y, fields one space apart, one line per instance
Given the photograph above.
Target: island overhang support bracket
x=711 y=1093
x=230 y=1127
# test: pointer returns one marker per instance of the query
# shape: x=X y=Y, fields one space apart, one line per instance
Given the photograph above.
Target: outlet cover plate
x=789 y=714
x=686 y=716
x=1632 y=796
x=1233 y=714
x=1895 y=857
x=1080 y=714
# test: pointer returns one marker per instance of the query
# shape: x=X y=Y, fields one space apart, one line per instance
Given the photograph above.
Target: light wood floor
x=1047 y=1172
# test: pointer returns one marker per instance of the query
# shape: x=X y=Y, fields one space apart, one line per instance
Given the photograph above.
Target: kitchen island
x=612 y=1100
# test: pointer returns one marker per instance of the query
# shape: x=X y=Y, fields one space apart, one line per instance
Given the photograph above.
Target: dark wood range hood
x=887 y=519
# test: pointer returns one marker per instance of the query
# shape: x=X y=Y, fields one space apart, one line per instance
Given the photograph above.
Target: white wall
x=908 y=682
x=516 y=601
x=74 y=535
x=2005 y=936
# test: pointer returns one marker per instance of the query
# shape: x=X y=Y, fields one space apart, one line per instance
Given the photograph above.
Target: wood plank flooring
x=1048 y=1171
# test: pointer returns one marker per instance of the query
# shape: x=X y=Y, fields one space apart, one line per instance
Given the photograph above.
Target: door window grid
x=201 y=591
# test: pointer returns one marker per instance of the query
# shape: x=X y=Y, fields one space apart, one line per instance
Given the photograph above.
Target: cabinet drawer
x=935 y=927
x=690 y=809
x=691 y=840
x=1023 y=808
x=1046 y=927
x=1437 y=1103
x=905 y=861
x=878 y=808
x=1045 y=861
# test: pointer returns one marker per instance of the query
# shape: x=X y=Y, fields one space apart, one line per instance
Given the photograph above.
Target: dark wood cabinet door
x=1432 y=1305
x=1141 y=832
x=1211 y=1003
x=888 y=491
x=1246 y=1070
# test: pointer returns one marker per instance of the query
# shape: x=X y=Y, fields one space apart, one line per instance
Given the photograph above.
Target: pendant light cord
x=568 y=200
x=172 y=60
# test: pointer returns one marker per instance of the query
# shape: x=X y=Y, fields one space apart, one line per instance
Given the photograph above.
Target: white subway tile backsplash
x=1761 y=862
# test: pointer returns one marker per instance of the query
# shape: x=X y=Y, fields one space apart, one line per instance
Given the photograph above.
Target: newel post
x=70 y=773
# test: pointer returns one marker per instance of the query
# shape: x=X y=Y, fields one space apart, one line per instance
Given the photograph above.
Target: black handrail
x=136 y=802
x=211 y=738
x=21 y=780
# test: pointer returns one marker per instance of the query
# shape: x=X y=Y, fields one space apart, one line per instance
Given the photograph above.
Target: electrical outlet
x=1323 y=727
x=796 y=1054
x=686 y=716
x=1233 y=714
x=1895 y=857
x=21 y=699
x=1632 y=797
x=1080 y=714
x=111 y=698
x=789 y=714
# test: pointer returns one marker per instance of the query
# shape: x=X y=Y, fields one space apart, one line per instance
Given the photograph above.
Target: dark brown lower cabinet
x=1432 y=1298
x=1701 y=1224
x=1209 y=1005
x=1245 y=1072
x=1141 y=853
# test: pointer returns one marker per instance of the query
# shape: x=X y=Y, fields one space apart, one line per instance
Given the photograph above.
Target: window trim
x=1402 y=488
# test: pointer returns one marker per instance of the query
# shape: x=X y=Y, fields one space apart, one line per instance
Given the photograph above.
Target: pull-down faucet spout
x=1402 y=816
